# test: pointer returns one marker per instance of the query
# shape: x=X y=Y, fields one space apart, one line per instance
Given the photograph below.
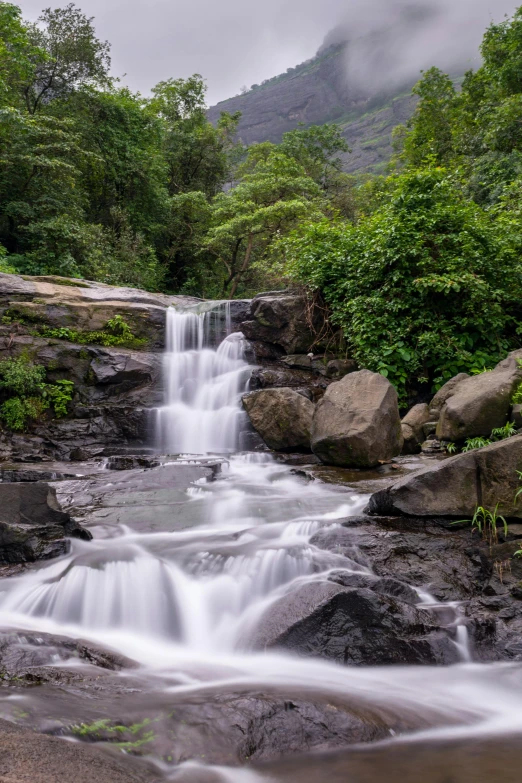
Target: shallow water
x=183 y=603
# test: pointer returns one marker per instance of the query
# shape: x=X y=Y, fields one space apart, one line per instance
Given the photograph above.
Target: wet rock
x=450 y=564
x=282 y=417
x=478 y=405
x=412 y=427
x=456 y=486
x=26 y=756
x=24 y=654
x=357 y=423
x=486 y=759
x=129 y=462
x=13 y=475
x=284 y=319
x=355 y=626
x=32 y=525
x=122 y=369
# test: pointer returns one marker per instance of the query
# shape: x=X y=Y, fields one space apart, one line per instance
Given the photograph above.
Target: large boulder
x=357 y=423
x=282 y=417
x=455 y=487
x=353 y=625
x=479 y=404
x=412 y=427
x=32 y=524
x=284 y=319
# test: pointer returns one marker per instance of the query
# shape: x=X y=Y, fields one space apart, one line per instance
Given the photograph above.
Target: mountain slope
x=317 y=92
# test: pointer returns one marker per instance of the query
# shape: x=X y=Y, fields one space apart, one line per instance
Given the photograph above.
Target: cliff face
x=317 y=92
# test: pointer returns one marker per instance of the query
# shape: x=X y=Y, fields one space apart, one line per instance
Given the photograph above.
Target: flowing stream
x=184 y=603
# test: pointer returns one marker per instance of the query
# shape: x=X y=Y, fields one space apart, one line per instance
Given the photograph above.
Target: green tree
x=273 y=195
x=429 y=134
x=75 y=57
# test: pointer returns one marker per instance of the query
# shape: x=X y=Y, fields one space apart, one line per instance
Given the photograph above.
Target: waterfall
x=202 y=412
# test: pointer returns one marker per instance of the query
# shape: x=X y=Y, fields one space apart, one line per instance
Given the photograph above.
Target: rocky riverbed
x=250 y=615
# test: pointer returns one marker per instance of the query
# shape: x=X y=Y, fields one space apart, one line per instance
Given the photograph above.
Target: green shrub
x=426 y=287
x=28 y=396
x=18 y=410
x=21 y=377
x=60 y=394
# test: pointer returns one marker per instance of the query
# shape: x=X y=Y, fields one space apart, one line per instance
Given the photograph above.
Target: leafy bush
x=426 y=287
x=18 y=410
x=28 y=396
x=60 y=395
x=21 y=377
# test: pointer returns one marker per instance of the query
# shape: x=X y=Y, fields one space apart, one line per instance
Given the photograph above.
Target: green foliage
x=116 y=332
x=21 y=377
x=498 y=434
x=486 y=523
x=28 y=396
x=60 y=394
x=17 y=411
x=451 y=448
x=426 y=287
x=472 y=444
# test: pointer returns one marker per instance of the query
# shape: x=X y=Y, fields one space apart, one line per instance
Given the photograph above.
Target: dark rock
x=455 y=487
x=516 y=416
x=353 y=626
x=13 y=475
x=412 y=427
x=284 y=319
x=122 y=369
x=129 y=462
x=282 y=417
x=338 y=368
x=357 y=423
x=32 y=525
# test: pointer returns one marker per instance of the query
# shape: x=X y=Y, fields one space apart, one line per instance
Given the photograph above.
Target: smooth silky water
x=184 y=604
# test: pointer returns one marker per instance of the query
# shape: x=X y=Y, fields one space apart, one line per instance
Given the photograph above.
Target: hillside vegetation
x=420 y=269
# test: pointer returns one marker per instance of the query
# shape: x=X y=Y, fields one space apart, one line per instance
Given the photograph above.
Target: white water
x=184 y=603
x=203 y=386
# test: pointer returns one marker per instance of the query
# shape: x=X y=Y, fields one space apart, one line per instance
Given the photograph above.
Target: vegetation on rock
x=26 y=396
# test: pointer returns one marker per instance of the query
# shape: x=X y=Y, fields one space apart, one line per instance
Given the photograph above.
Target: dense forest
x=420 y=269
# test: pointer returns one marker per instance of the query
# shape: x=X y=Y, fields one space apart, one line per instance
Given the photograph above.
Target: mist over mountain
x=363 y=72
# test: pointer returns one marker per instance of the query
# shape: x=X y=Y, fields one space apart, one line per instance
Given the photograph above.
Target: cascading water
x=203 y=384
x=184 y=601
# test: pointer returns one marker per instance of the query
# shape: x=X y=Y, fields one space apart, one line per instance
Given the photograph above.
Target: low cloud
x=241 y=42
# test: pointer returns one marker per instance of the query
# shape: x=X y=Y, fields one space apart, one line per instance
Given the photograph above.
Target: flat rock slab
x=26 y=757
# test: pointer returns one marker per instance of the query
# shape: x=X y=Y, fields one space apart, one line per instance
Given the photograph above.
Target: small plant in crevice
x=486 y=523
x=500 y=433
x=475 y=443
x=116 y=332
x=451 y=448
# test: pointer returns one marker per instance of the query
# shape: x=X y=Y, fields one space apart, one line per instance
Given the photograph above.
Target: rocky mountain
x=316 y=92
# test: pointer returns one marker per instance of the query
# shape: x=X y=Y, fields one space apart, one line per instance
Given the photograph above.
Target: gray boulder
x=32 y=524
x=478 y=405
x=282 y=417
x=456 y=486
x=444 y=393
x=284 y=319
x=412 y=427
x=357 y=423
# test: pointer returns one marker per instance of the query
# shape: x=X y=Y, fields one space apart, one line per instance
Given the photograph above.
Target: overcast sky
x=240 y=42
